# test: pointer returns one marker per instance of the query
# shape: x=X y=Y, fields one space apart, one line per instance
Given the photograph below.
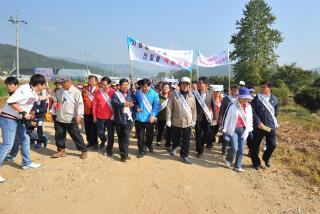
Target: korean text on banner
x=174 y=59
x=212 y=61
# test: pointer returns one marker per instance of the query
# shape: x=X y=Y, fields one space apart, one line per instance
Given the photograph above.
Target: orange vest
x=87 y=96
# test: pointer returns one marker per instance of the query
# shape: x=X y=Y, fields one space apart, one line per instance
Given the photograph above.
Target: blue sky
x=72 y=28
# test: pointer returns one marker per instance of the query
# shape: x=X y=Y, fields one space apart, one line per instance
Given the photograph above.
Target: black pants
x=61 y=130
x=145 y=131
x=214 y=132
x=161 y=124
x=123 y=132
x=161 y=129
x=203 y=135
x=102 y=125
x=258 y=135
x=181 y=137
x=250 y=142
x=91 y=129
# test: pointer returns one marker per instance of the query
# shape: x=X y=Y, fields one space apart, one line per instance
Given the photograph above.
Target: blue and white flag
x=221 y=58
x=174 y=59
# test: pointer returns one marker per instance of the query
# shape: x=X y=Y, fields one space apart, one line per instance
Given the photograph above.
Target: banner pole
x=131 y=71
x=131 y=64
x=229 y=72
x=197 y=72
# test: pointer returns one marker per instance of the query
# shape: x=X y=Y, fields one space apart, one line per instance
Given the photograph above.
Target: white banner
x=175 y=59
x=47 y=72
x=212 y=61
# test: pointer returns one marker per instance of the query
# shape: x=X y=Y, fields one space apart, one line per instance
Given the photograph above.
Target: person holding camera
x=15 y=118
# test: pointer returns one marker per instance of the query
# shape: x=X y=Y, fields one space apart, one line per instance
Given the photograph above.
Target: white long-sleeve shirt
x=231 y=119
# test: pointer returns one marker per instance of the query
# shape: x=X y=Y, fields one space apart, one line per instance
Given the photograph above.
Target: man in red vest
x=103 y=114
x=88 y=96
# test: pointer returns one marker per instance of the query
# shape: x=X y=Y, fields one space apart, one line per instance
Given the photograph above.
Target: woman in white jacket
x=237 y=126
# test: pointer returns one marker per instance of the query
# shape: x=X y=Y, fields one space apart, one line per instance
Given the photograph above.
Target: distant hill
x=216 y=71
x=316 y=69
x=122 y=70
x=29 y=60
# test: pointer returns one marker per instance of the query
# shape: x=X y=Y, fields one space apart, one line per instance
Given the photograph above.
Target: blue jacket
x=261 y=113
x=153 y=98
x=118 y=115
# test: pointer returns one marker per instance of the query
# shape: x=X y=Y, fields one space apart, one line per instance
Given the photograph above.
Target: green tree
x=255 y=43
x=161 y=75
x=294 y=77
x=183 y=73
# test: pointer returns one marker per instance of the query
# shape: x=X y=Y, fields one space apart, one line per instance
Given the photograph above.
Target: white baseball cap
x=242 y=83
x=185 y=79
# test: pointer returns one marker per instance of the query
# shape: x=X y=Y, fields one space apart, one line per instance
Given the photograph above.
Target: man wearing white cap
x=181 y=115
x=242 y=84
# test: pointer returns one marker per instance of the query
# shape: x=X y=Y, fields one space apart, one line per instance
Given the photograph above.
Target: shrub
x=309 y=98
x=282 y=94
x=3 y=91
x=317 y=83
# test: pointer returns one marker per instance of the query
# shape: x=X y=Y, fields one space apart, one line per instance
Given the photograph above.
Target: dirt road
x=157 y=183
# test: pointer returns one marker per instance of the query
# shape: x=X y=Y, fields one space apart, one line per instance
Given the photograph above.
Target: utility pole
x=87 y=66
x=16 y=21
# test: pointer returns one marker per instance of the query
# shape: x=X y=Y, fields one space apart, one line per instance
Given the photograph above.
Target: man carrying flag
x=148 y=108
x=103 y=114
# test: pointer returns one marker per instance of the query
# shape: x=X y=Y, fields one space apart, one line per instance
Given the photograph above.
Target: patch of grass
x=301 y=156
x=301 y=116
x=302 y=163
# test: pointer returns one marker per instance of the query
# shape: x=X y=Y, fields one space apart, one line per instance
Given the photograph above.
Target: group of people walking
x=174 y=110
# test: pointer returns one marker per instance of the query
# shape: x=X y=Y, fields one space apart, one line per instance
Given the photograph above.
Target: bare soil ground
x=157 y=183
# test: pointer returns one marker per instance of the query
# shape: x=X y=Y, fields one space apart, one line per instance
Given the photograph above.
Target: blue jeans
x=10 y=128
x=237 y=147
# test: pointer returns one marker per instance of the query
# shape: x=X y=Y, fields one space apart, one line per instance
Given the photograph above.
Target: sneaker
x=150 y=148
x=256 y=167
x=123 y=159
x=173 y=151
x=2 y=179
x=141 y=154
x=238 y=169
x=185 y=160
x=158 y=143
x=84 y=155
x=199 y=154
x=109 y=153
x=228 y=164
x=32 y=166
x=45 y=141
x=61 y=153
x=102 y=146
x=37 y=146
x=168 y=148
x=10 y=158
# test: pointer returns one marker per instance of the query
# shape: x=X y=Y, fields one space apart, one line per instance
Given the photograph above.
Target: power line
x=40 y=35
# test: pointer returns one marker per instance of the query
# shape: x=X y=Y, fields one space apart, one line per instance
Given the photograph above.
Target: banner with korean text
x=47 y=72
x=174 y=59
x=221 y=58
